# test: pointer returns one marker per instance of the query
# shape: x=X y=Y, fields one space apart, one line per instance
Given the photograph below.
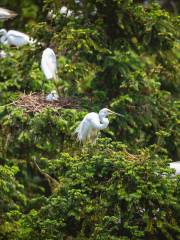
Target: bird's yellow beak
x=118 y=114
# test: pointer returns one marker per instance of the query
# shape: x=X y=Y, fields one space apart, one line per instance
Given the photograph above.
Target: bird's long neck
x=3 y=39
x=3 y=32
x=104 y=122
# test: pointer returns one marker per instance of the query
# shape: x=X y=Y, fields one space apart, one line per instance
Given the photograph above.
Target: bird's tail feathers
x=11 y=14
x=80 y=136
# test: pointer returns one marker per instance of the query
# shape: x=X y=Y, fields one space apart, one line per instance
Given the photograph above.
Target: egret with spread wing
x=6 y=14
x=14 y=38
x=88 y=129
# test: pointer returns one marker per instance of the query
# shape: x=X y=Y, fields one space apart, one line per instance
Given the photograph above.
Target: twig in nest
x=35 y=102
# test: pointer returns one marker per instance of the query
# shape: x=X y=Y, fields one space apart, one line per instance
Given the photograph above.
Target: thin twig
x=52 y=182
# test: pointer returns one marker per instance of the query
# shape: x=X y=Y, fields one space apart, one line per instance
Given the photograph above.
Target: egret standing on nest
x=87 y=131
x=6 y=14
x=14 y=38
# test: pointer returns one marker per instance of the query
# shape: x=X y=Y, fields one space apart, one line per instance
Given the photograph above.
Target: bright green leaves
x=108 y=191
x=12 y=199
x=47 y=131
x=117 y=54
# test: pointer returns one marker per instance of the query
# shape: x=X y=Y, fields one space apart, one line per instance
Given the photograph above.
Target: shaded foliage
x=118 y=54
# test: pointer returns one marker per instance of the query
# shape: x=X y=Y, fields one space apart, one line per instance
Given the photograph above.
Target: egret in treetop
x=88 y=129
x=49 y=64
x=14 y=38
x=6 y=14
x=65 y=11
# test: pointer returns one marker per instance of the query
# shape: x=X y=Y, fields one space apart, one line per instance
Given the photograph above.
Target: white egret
x=14 y=38
x=65 y=11
x=88 y=129
x=49 y=66
x=48 y=63
x=53 y=96
x=6 y=14
x=176 y=166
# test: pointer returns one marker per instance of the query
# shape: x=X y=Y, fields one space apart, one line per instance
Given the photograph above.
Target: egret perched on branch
x=48 y=63
x=14 y=38
x=87 y=131
x=176 y=166
x=65 y=11
x=6 y=14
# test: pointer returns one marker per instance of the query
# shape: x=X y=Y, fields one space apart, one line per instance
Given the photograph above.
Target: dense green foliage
x=118 y=54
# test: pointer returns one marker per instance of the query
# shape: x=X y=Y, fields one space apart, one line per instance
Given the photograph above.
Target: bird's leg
x=56 y=85
x=43 y=82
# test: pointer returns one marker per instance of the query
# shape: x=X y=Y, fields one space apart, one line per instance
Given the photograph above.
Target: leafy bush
x=107 y=193
x=118 y=54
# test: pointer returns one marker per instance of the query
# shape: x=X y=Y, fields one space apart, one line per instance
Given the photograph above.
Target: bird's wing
x=46 y=70
x=87 y=128
x=6 y=14
x=95 y=121
x=48 y=65
x=83 y=130
x=17 y=34
x=52 y=62
x=17 y=38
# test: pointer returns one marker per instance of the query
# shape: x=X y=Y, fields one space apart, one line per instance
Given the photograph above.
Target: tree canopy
x=120 y=54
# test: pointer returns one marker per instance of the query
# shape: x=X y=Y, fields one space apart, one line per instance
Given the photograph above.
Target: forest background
x=120 y=54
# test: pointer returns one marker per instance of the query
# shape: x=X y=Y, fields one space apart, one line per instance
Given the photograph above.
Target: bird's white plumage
x=6 y=14
x=88 y=129
x=48 y=63
x=53 y=96
x=176 y=166
x=14 y=38
x=65 y=11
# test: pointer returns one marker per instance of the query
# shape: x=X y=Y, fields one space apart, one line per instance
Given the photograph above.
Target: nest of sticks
x=36 y=102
